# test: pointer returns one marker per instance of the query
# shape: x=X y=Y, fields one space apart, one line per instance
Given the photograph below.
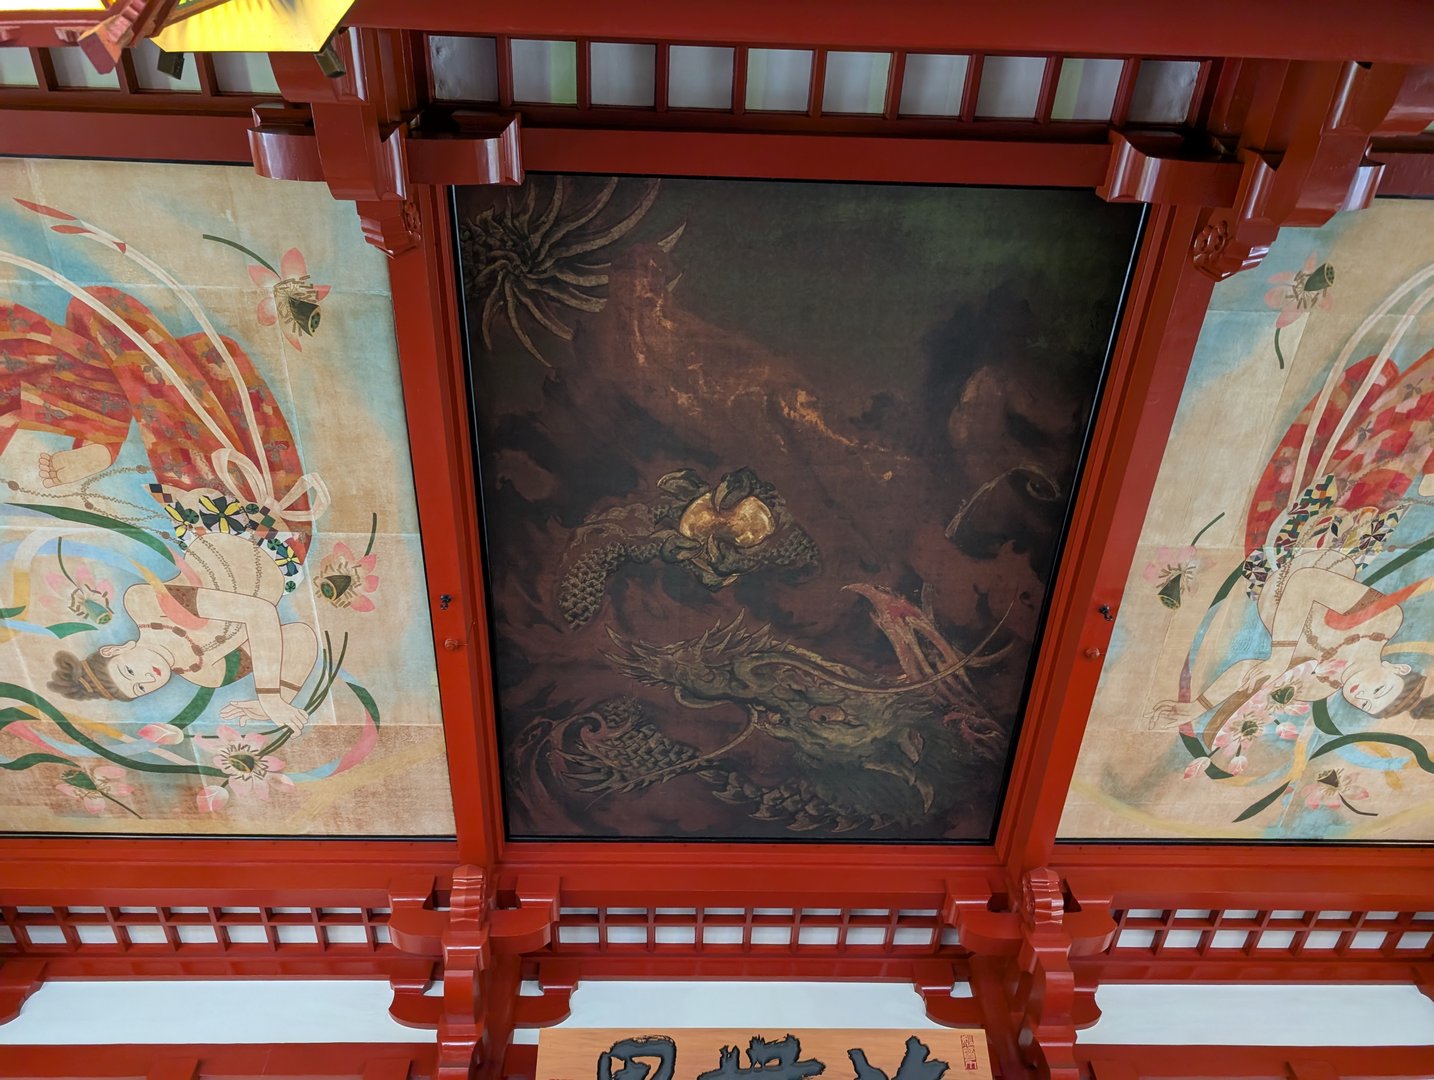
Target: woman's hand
x=1261 y=672
x=1169 y=715
x=243 y=712
x=283 y=713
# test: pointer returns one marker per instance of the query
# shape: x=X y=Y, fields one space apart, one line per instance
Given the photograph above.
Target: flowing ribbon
x=246 y=478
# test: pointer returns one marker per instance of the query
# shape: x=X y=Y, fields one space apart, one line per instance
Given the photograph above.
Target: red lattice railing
x=152 y=931
x=755 y=931
x=1230 y=934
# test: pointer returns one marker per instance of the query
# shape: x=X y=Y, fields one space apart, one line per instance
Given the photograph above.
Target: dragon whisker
x=564 y=228
x=616 y=232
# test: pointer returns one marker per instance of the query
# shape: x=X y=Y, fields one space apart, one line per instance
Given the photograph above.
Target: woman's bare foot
x=72 y=466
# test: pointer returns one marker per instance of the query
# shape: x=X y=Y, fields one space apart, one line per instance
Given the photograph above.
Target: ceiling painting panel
x=214 y=604
x=774 y=477
x=1267 y=679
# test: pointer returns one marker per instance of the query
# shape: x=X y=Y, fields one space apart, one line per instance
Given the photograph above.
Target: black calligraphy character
x=914 y=1065
x=660 y=1047
x=767 y=1060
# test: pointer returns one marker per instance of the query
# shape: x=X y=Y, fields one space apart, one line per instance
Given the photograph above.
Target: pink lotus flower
x=248 y=768
x=292 y=300
x=96 y=788
x=1332 y=790
x=345 y=581
x=1173 y=572
x=1295 y=295
x=211 y=798
x=1197 y=767
x=161 y=734
x=86 y=598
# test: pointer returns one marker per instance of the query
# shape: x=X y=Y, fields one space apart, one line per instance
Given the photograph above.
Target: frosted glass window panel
x=16 y=67
x=464 y=68
x=545 y=71
x=244 y=73
x=1010 y=86
x=779 y=80
x=623 y=74
x=149 y=77
x=1163 y=90
x=74 y=70
x=699 y=77
x=856 y=82
x=933 y=84
x=1086 y=89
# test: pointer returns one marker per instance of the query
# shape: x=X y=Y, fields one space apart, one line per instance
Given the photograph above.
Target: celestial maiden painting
x=774 y=477
x=1269 y=675
x=212 y=605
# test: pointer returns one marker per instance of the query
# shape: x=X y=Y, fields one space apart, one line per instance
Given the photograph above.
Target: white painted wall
x=356 y=1011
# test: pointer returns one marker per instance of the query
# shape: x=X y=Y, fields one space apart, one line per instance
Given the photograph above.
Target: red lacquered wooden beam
x=1401 y=30
x=278 y=873
x=1163 y=317
x=426 y=319
x=124 y=135
x=1251 y=875
x=739 y=875
x=816 y=157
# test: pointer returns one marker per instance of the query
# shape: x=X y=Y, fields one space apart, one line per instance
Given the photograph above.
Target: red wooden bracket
x=18 y=980
x=1046 y=990
x=558 y=979
x=475 y=945
x=411 y=1006
x=969 y=908
x=934 y=981
x=1146 y=171
x=529 y=926
x=355 y=135
x=1304 y=156
x=415 y=925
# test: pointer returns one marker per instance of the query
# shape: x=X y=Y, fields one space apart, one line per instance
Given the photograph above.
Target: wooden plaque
x=772 y=1053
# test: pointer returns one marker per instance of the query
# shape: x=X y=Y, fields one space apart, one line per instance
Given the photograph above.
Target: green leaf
x=29 y=761
x=1225 y=587
x=200 y=701
x=65 y=629
x=61 y=721
x=1404 y=742
x=1197 y=750
x=13 y=716
x=12 y=612
x=1322 y=720
x=1255 y=807
x=99 y=521
x=369 y=704
x=1421 y=548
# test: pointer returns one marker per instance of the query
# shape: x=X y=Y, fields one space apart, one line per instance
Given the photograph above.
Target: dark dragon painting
x=774 y=477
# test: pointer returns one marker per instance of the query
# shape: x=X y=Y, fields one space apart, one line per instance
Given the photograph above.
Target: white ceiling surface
x=356 y=1011
x=1310 y=1014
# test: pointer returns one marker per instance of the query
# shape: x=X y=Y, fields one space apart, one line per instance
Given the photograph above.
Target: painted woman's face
x=1374 y=687
x=137 y=669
